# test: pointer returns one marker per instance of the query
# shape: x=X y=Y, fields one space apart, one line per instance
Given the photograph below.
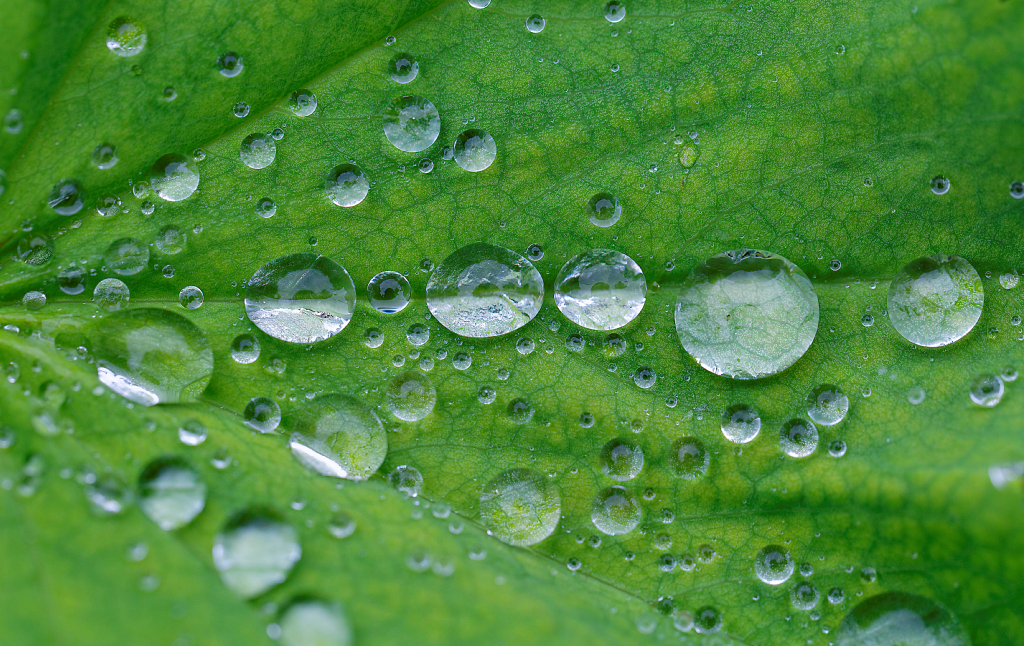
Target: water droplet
x=741 y=423
x=774 y=565
x=338 y=436
x=486 y=395
x=474 y=150
x=747 y=314
x=940 y=185
x=827 y=405
x=199 y=154
x=621 y=460
x=302 y=103
x=915 y=395
x=798 y=438
x=190 y=297
x=262 y=414
x=986 y=390
x=535 y=24
x=837 y=449
x=900 y=618
x=411 y=123
x=804 y=596
x=33 y=300
x=170 y=93
x=104 y=156
x=266 y=208
x=479 y=4
x=425 y=165
x=519 y=411
x=170 y=241
x=300 y=298
x=403 y=68
x=482 y=290
x=520 y=507
x=600 y=289
x=836 y=596
x=1009 y=280
x=171 y=493
x=230 y=65
x=525 y=346
x=645 y=377
x=111 y=294
x=935 y=300
x=66 y=197
x=258 y=151
x=245 y=349
x=126 y=257
x=708 y=621
x=126 y=37
x=389 y=292
x=373 y=338
x=71 y=280
x=347 y=185
x=35 y=249
x=174 y=177
x=691 y=458
x=341 y=526
x=615 y=511
x=1017 y=190
x=13 y=123
x=411 y=396
x=604 y=209
x=192 y=433
x=108 y=496
x=867 y=320
x=240 y=109
x=150 y=356
x=835 y=265
x=407 y=479
x=308 y=622
x=614 y=11
x=254 y=552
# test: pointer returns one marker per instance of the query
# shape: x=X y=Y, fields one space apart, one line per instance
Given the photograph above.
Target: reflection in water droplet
x=150 y=356
x=190 y=297
x=35 y=249
x=615 y=511
x=741 y=423
x=308 y=622
x=411 y=396
x=262 y=414
x=411 y=123
x=482 y=290
x=827 y=405
x=747 y=314
x=338 y=436
x=300 y=298
x=266 y=208
x=171 y=240
x=110 y=294
x=535 y=24
x=479 y=4
x=708 y=621
x=347 y=185
x=600 y=289
x=174 y=177
x=171 y=493
x=690 y=458
x=474 y=150
x=804 y=596
x=104 y=156
x=407 y=479
x=986 y=390
x=66 y=197
x=108 y=206
x=403 y=68
x=774 y=565
x=620 y=459
x=520 y=507
x=192 y=433
x=798 y=438
x=519 y=411
x=645 y=377
x=940 y=185
x=935 y=300
x=254 y=552
x=258 y=151
x=71 y=280
x=126 y=257
x=302 y=103
x=126 y=37
x=604 y=209
x=230 y=65
x=245 y=349
x=900 y=619
x=389 y=292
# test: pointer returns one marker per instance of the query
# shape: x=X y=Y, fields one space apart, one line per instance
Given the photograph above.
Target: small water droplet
x=302 y=103
x=798 y=438
x=126 y=37
x=262 y=414
x=474 y=150
x=230 y=65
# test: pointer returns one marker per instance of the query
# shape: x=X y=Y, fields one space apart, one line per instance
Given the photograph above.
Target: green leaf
x=812 y=130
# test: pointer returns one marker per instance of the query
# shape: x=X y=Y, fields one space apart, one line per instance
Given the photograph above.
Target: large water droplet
x=66 y=197
x=190 y=297
x=741 y=423
x=71 y=280
x=900 y=619
x=338 y=436
x=798 y=438
x=708 y=621
x=691 y=458
x=622 y=460
x=300 y=298
x=258 y=151
x=935 y=300
x=804 y=596
x=482 y=290
x=600 y=289
x=347 y=185
x=174 y=177
x=520 y=411
x=615 y=511
x=747 y=314
x=774 y=565
x=171 y=493
x=474 y=150
x=520 y=507
x=254 y=552
x=111 y=294
x=104 y=156
x=389 y=292
x=35 y=249
x=411 y=123
x=309 y=622
x=411 y=396
x=126 y=37
x=407 y=479
x=126 y=257
x=151 y=356
x=827 y=405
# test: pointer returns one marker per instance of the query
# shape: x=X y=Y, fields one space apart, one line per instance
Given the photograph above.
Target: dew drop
x=338 y=436
x=690 y=458
x=266 y=208
x=708 y=621
x=940 y=185
x=66 y=197
x=411 y=396
x=347 y=185
x=262 y=414
x=519 y=411
x=309 y=622
x=935 y=300
x=104 y=156
x=520 y=507
x=827 y=405
x=407 y=479
x=474 y=150
x=614 y=11
x=615 y=511
x=126 y=37
x=245 y=349
x=230 y=65
x=604 y=209
x=535 y=24
x=174 y=177
x=171 y=493
x=389 y=292
x=126 y=257
x=898 y=619
x=111 y=294
x=986 y=390
x=302 y=103
x=741 y=423
x=403 y=68
x=621 y=460
x=254 y=552
x=411 y=123
x=774 y=565
x=798 y=438
x=258 y=151
x=600 y=289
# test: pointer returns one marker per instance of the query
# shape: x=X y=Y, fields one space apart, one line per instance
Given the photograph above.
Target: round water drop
x=614 y=11
x=190 y=297
x=104 y=156
x=804 y=596
x=71 y=280
x=245 y=349
x=150 y=356
x=266 y=208
x=240 y=109
x=13 y=123
x=403 y=68
x=798 y=438
x=986 y=390
x=690 y=458
x=519 y=411
x=1009 y=280
x=33 y=300
x=229 y=65
x=35 y=249
x=916 y=395
x=108 y=206
x=708 y=621
x=126 y=257
x=645 y=377
x=935 y=300
x=940 y=185
x=600 y=289
x=425 y=165
x=482 y=290
x=616 y=511
x=746 y=314
x=170 y=241
x=66 y=197
x=411 y=123
x=837 y=449
x=373 y=338
x=479 y=4
x=258 y=151
x=774 y=565
x=300 y=298
x=308 y=622
x=1017 y=190
x=407 y=479
x=604 y=209
x=900 y=619
x=174 y=177
x=520 y=507
x=171 y=493
x=827 y=405
x=411 y=396
x=389 y=292
x=126 y=37
x=535 y=24
x=741 y=423
x=302 y=103
x=338 y=436
x=347 y=185
x=474 y=150
x=110 y=294
x=525 y=346
x=621 y=460
x=192 y=433
x=254 y=552
x=262 y=414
